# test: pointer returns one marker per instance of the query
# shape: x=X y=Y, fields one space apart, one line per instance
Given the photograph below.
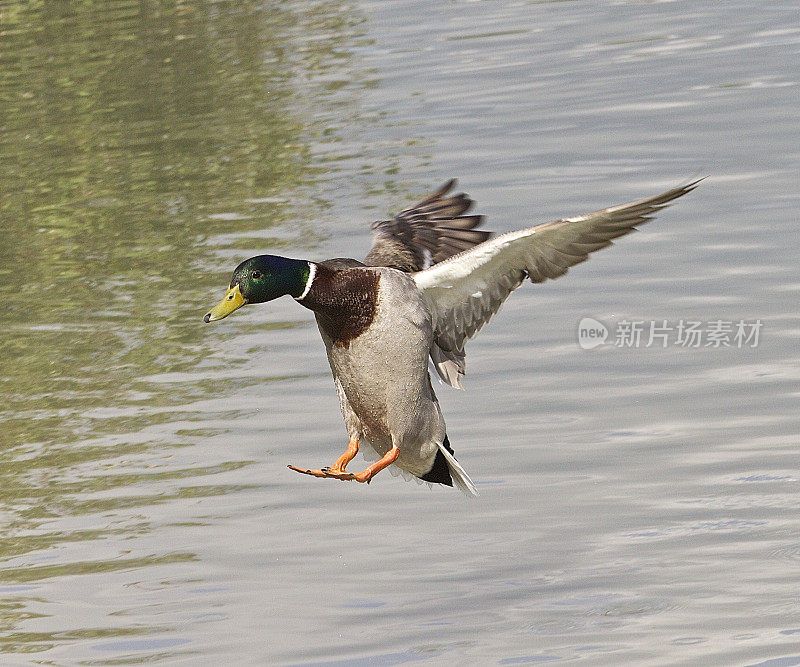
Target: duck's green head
x=262 y=278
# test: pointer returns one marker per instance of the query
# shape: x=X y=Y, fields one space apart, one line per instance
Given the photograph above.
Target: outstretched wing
x=465 y=291
x=426 y=233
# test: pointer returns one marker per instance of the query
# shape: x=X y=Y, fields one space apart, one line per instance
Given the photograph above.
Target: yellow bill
x=233 y=300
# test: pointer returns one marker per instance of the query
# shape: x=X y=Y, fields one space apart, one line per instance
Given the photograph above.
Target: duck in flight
x=429 y=283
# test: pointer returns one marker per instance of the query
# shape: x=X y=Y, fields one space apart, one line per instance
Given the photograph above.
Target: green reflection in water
x=142 y=145
x=40 y=572
x=14 y=611
x=133 y=133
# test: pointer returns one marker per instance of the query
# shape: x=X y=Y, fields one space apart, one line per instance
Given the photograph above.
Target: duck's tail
x=447 y=470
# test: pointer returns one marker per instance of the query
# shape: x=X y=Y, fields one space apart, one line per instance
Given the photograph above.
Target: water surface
x=638 y=504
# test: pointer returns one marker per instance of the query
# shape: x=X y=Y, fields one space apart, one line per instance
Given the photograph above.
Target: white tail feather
x=459 y=475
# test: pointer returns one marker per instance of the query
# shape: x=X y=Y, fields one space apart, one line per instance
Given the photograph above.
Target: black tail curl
x=440 y=471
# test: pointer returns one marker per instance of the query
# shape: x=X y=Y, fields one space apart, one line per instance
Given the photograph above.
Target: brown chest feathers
x=344 y=301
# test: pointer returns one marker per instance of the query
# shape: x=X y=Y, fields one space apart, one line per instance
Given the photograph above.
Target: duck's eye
x=256 y=275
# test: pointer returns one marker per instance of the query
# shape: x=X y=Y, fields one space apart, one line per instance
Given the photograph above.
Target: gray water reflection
x=638 y=505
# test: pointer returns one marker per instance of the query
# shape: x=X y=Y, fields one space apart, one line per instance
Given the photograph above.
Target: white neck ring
x=312 y=271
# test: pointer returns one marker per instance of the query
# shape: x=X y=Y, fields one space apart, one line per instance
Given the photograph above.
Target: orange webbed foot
x=337 y=471
x=331 y=472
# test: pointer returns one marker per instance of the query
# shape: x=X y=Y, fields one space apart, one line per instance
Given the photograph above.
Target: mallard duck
x=429 y=283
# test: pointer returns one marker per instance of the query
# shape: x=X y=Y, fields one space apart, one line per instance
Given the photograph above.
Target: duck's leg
x=387 y=460
x=363 y=476
x=344 y=459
